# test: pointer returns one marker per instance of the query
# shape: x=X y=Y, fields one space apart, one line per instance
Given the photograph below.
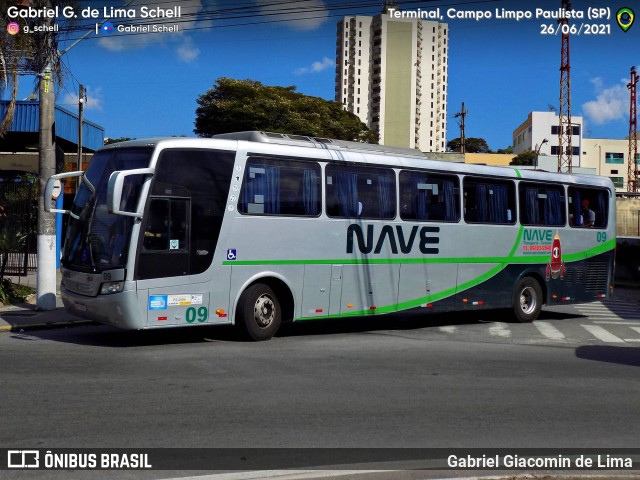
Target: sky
x=147 y=84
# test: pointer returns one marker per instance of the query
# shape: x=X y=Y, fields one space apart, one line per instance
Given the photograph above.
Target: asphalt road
x=455 y=381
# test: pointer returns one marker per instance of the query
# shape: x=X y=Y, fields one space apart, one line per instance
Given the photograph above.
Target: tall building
x=391 y=71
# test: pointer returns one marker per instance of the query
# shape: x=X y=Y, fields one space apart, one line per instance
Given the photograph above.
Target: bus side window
x=587 y=202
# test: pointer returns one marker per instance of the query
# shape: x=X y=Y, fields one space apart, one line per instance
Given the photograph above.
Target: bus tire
x=259 y=314
x=527 y=300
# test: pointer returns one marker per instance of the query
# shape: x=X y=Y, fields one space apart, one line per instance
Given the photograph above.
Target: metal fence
x=18 y=224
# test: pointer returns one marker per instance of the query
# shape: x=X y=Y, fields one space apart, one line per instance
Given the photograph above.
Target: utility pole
x=46 y=243
x=82 y=98
x=46 y=274
x=461 y=115
x=565 y=130
x=632 y=173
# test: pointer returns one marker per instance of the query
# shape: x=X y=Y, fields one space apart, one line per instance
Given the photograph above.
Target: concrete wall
x=628 y=221
x=500 y=159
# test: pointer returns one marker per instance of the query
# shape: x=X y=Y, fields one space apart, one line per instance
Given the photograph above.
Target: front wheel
x=259 y=314
x=527 y=300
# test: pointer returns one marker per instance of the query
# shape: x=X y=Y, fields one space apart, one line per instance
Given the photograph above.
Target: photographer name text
x=31 y=13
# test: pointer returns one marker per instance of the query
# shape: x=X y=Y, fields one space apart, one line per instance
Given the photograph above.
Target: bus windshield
x=95 y=240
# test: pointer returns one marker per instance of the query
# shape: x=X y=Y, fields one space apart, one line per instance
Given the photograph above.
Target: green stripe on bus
x=434 y=297
x=511 y=258
x=501 y=262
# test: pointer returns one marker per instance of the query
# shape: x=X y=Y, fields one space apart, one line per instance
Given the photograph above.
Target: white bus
x=259 y=228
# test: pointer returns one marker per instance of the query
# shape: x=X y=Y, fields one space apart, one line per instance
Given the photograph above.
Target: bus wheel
x=527 y=300
x=259 y=313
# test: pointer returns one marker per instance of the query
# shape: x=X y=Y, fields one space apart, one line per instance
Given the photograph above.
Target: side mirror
x=50 y=190
x=115 y=187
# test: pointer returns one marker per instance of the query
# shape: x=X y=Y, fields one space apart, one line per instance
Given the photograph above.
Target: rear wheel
x=527 y=300
x=259 y=314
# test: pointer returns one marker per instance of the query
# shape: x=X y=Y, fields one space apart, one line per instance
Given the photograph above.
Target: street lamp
x=538 y=148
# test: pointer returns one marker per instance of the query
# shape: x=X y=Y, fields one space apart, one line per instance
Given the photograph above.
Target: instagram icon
x=13 y=28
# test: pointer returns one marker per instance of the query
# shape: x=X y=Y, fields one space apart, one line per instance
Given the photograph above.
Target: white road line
x=637 y=329
x=633 y=315
x=448 y=329
x=500 y=330
x=601 y=334
x=549 y=330
x=627 y=323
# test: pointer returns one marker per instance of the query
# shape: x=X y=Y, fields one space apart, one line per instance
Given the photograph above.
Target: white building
x=391 y=71
x=539 y=133
x=606 y=157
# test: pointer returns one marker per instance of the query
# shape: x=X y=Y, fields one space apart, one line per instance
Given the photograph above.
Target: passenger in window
x=588 y=215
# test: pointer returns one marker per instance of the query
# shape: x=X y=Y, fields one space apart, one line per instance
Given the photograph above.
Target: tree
x=239 y=105
x=507 y=150
x=25 y=54
x=528 y=157
x=471 y=145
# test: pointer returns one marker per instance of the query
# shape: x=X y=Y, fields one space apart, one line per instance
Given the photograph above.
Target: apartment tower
x=391 y=71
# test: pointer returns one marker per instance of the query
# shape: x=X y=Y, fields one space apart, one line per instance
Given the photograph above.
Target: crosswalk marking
x=448 y=329
x=629 y=324
x=602 y=334
x=549 y=331
x=500 y=330
x=617 y=324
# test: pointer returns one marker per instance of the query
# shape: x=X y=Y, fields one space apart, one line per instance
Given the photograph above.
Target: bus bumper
x=118 y=309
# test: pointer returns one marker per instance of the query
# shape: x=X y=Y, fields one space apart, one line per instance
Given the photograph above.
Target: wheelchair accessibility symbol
x=231 y=254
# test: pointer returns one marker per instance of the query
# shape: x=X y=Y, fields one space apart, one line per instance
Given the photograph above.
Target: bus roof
x=319 y=142
x=357 y=152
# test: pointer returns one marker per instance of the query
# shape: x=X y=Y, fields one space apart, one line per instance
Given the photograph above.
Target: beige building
x=391 y=71
x=609 y=157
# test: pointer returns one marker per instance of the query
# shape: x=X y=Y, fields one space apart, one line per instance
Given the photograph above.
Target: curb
x=44 y=326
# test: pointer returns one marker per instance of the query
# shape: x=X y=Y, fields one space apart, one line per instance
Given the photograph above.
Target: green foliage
x=28 y=53
x=10 y=292
x=471 y=145
x=9 y=242
x=507 y=150
x=240 y=105
x=6 y=287
x=528 y=157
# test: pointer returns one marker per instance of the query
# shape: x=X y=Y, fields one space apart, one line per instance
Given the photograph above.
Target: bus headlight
x=111 y=287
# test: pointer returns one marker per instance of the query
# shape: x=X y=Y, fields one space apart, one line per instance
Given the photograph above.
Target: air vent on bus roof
x=323 y=140
x=299 y=137
x=274 y=135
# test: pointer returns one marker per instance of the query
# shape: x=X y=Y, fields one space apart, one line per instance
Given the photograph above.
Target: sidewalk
x=15 y=318
x=24 y=316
